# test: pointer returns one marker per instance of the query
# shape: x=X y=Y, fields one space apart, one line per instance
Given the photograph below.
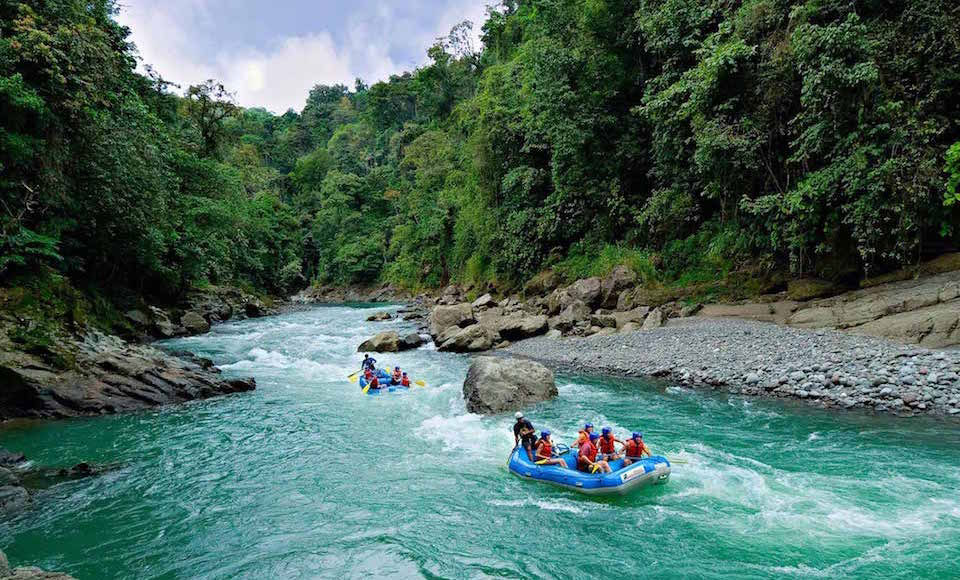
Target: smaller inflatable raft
x=385 y=387
x=641 y=473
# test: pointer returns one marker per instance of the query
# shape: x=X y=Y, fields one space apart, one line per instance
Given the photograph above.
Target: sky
x=270 y=53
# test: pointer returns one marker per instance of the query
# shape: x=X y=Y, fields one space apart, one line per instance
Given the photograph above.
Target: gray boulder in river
x=382 y=342
x=498 y=384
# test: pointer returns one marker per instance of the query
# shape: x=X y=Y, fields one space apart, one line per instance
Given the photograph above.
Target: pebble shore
x=823 y=367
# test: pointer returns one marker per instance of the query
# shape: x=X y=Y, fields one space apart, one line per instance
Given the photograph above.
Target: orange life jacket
x=606 y=445
x=635 y=448
x=405 y=381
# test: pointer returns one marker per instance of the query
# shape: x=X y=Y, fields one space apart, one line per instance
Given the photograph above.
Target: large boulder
x=473 y=338
x=655 y=319
x=519 y=326
x=411 y=341
x=444 y=317
x=587 y=290
x=383 y=342
x=558 y=300
x=97 y=374
x=635 y=316
x=194 y=323
x=485 y=301
x=619 y=279
x=496 y=385
x=543 y=283
x=576 y=312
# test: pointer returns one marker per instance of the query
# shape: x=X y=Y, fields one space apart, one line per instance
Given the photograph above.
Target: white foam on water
x=469 y=433
x=555 y=505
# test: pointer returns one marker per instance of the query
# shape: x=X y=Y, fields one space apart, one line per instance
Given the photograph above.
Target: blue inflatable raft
x=641 y=473
x=385 y=386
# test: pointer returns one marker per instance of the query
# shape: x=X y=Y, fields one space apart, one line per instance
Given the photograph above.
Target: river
x=306 y=477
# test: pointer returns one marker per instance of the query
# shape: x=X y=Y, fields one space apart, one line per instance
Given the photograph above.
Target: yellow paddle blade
x=365 y=389
x=353 y=378
x=420 y=383
x=594 y=468
x=541 y=462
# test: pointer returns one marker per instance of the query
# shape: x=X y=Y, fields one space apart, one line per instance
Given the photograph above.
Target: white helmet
x=519 y=415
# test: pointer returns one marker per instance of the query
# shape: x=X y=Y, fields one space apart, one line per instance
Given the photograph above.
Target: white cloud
x=187 y=44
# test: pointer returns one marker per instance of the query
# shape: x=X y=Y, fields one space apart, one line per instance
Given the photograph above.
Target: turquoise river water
x=306 y=477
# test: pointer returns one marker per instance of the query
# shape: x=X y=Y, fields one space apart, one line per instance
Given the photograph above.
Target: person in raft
x=606 y=444
x=404 y=380
x=397 y=376
x=588 y=460
x=545 y=451
x=523 y=433
x=369 y=363
x=370 y=378
x=584 y=435
x=635 y=448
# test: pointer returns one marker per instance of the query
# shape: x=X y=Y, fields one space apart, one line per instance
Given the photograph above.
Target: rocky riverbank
x=827 y=368
x=27 y=572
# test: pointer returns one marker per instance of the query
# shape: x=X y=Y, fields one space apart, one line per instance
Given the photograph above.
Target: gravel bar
x=824 y=367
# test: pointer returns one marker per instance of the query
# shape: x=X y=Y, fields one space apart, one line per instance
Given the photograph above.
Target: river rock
x=604 y=320
x=444 y=317
x=485 y=301
x=636 y=316
x=519 y=326
x=689 y=310
x=655 y=319
x=496 y=385
x=558 y=300
x=10 y=459
x=411 y=341
x=619 y=279
x=13 y=498
x=388 y=341
x=194 y=323
x=379 y=317
x=27 y=572
x=543 y=283
x=100 y=374
x=473 y=338
x=576 y=312
x=587 y=290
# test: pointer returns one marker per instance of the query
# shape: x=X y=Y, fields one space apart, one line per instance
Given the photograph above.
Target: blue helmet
x=606 y=430
x=637 y=435
x=588 y=426
x=545 y=433
x=594 y=436
x=396 y=368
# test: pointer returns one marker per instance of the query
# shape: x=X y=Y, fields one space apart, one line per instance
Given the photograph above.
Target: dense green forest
x=685 y=138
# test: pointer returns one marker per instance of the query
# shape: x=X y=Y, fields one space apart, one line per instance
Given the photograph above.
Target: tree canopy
x=803 y=135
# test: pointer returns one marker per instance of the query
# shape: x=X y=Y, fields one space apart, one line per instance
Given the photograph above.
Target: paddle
x=352 y=376
x=420 y=383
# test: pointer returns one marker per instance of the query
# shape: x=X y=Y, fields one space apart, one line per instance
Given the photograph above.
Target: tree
x=208 y=105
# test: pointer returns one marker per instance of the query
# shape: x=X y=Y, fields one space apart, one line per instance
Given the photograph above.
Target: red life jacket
x=374 y=383
x=606 y=445
x=635 y=448
x=589 y=451
x=367 y=374
x=405 y=381
x=545 y=449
